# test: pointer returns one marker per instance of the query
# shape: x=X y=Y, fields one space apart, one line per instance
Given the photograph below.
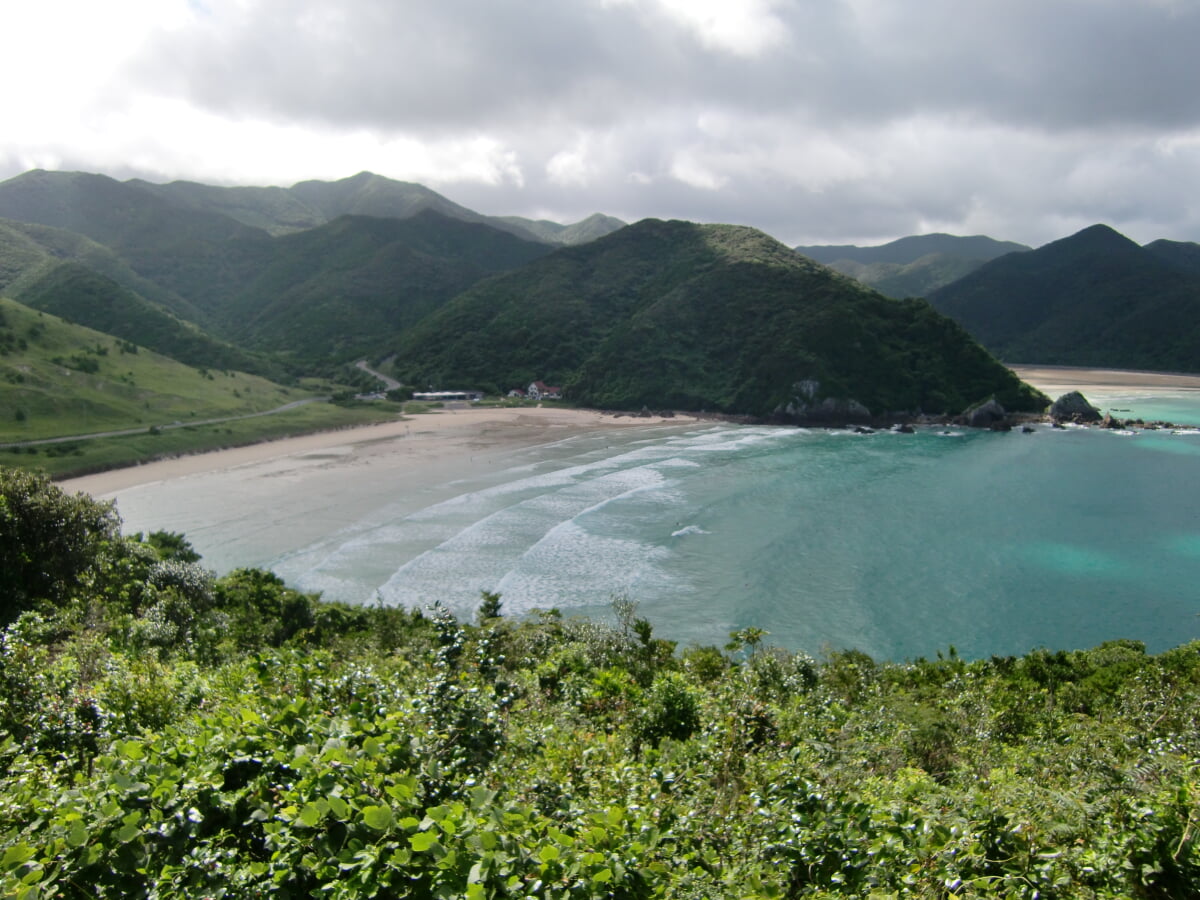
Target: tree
x=49 y=541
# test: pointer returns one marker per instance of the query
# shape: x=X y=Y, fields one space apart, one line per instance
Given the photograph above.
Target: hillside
x=594 y=226
x=339 y=289
x=912 y=266
x=349 y=287
x=28 y=251
x=72 y=291
x=1183 y=255
x=309 y=204
x=62 y=379
x=711 y=317
x=1093 y=299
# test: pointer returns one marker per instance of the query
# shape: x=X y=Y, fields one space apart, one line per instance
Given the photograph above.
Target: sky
x=818 y=121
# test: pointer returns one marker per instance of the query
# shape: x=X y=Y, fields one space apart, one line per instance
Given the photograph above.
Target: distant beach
x=425 y=442
x=1061 y=379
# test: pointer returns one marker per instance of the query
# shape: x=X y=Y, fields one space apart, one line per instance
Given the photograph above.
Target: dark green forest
x=715 y=317
x=166 y=733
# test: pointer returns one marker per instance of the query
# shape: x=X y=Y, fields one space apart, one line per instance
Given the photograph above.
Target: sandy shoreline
x=458 y=434
x=1125 y=379
x=425 y=440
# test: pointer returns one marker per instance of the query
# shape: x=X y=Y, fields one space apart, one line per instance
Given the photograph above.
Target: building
x=539 y=390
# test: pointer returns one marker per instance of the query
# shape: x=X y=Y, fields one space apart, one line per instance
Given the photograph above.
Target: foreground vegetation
x=165 y=733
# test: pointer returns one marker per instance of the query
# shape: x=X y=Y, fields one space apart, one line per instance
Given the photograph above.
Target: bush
x=672 y=711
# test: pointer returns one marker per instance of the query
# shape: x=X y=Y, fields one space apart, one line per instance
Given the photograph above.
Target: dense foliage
x=1093 y=299
x=672 y=314
x=165 y=733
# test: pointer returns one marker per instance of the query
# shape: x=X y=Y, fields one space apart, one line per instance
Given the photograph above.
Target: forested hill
x=912 y=266
x=1093 y=299
x=715 y=317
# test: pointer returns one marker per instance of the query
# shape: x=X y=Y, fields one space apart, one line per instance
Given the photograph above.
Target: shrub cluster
x=165 y=733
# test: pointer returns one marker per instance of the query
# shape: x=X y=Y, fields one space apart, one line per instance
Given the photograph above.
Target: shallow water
x=898 y=545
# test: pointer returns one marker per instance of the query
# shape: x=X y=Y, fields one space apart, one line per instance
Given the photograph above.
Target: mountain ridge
x=1095 y=298
x=716 y=317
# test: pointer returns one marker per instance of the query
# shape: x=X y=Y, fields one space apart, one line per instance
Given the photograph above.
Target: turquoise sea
x=897 y=545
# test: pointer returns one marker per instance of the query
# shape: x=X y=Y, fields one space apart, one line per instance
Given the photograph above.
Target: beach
x=1060 y=379
x=438 y=441
x=457 y=437
x=886 y=542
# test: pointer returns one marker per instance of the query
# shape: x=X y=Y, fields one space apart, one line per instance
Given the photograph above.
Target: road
x=142 y=429
x=390 y=383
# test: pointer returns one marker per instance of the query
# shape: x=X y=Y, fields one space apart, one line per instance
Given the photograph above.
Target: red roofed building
x=539 y=390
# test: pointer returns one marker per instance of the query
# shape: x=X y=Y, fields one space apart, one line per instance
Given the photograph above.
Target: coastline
x=1071 y=378
x=426 y=440
x=439 y=437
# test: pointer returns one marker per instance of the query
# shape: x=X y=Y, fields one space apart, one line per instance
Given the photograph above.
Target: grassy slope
x=76 y=293
x=43 y=375
x=41 y=398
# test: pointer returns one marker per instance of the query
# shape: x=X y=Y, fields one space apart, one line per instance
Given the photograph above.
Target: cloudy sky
x=819 y=121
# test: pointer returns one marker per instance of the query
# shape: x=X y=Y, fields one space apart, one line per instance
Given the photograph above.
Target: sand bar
x=430 y=440
x=1070 y=378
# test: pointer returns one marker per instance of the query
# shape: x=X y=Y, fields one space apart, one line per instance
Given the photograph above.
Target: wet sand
x=429 y=441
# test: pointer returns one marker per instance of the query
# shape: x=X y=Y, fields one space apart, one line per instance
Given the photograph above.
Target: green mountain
x=912 y=266
x=1184 y=255
x=908 y=250
x=312 y=203
x=589 y=229
x=58 y=378
x=710 y=317
x=78 y=294
x=28 y=252
x=1093 y=299
x=349 y=287
x=339 y=289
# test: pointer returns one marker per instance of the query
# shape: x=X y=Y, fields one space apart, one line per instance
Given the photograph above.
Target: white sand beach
x=1055 y=380
x=429 y=441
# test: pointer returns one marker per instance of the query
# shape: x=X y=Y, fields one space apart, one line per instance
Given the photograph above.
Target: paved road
x=144 y=428
x=391 y=383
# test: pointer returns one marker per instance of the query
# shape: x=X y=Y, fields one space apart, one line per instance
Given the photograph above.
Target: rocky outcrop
x=1073 y=407
x=805 y=408
x=985 y=415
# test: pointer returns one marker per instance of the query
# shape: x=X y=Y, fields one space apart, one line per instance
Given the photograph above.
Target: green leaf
x=16 y=854
x=378 y=817
x=422 y=841
x=78 y=835
x=132 y=750
x=548 y=853
x=310 y=815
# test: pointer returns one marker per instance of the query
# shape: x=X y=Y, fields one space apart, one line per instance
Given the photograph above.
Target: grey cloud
x=869 y=119
x=479 y=63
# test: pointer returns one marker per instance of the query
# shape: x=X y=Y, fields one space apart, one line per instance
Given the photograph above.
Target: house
x=539 y=390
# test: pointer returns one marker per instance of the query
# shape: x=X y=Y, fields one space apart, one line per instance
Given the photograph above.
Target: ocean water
x=897 y=545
